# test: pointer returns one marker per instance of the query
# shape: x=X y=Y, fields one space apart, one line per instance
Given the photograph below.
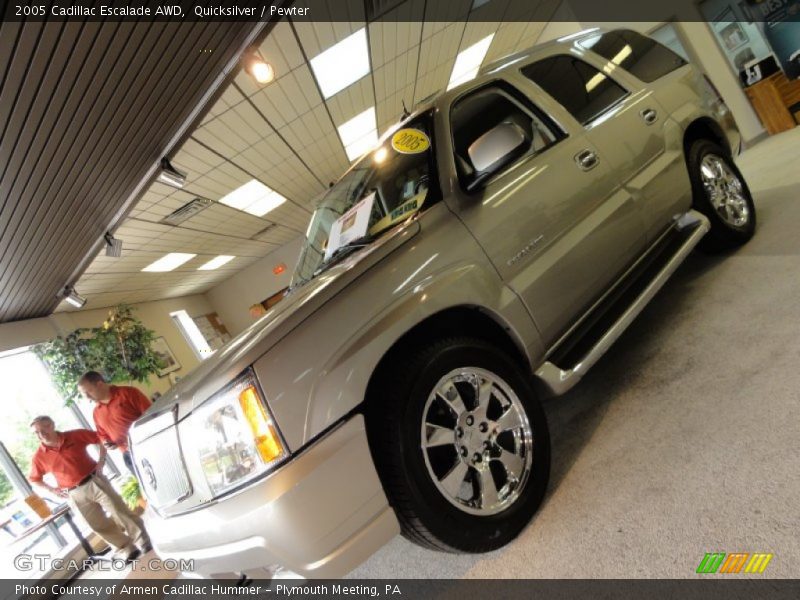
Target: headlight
x=236 y=436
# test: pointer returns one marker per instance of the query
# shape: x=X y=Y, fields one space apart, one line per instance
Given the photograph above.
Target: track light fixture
x=113 y=245
x=72 y=297
x=259 y=69
x=170 y=175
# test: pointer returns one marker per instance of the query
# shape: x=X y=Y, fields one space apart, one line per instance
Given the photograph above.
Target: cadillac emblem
x=149 y=473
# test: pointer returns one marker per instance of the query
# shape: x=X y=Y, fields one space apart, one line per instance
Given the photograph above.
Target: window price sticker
x=351 y=225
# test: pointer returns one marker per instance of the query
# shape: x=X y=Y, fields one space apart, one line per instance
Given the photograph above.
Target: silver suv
x=485 y=254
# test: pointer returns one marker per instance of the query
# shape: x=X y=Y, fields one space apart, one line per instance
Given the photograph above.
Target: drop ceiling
x=284 y=135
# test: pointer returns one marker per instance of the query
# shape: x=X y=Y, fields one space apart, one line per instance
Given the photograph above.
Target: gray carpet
x=685 y=438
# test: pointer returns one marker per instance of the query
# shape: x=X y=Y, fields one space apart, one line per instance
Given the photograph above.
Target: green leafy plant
x=130 y=492
x=120 y=349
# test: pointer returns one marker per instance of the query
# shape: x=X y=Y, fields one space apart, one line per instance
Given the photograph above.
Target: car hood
x=234 y=357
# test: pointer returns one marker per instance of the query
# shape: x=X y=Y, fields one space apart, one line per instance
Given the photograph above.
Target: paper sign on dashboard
x=351 y=225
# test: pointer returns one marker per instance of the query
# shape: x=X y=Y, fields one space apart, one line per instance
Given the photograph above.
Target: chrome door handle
x=586 y=160
x=649 y=115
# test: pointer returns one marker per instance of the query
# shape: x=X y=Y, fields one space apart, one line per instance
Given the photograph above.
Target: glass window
x=638 y=54
x=577 y=86
x=27 y=387
x=384 y=188
x=473 y=116
x=191 y=332
x=668 y=35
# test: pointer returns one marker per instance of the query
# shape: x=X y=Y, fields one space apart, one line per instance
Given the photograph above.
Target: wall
x=24 y=333
x=703 y=44
x=154 y=315
x=233 y=298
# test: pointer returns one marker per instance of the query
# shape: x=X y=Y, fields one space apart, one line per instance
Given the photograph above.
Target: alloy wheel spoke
x=509 y=420
x=513 y=464
x=449 y=393
x=484 y=394
x=438 y=436
x=488 y=488
x=453 y=480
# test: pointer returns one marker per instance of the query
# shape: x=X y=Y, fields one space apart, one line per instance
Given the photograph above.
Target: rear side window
x=577 y=86
x=641 y=56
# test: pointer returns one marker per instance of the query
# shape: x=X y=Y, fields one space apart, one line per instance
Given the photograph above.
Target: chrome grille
x=159 y=461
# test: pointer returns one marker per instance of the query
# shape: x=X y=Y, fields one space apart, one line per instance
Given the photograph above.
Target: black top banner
x=584 y=11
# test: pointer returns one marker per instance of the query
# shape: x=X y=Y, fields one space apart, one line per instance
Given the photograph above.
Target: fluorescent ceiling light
x=622 y=54
x=254 y=198
x=468 y=62
x=359 y=134
x=216 y=263
x=171 y=261
x=595 y=81
x=342 y=64
x=609 y=67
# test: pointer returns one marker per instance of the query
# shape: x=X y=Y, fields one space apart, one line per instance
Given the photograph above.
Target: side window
x=641 y=56
x=477 y=114
x=577 y=86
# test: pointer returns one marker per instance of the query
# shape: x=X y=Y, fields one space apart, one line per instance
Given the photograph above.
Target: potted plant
x=132 y=494
x=121 y=349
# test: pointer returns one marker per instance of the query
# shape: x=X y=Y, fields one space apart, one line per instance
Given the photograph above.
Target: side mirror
x=495 y=149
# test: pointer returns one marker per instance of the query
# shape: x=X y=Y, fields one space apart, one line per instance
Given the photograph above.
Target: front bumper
x=319 y=515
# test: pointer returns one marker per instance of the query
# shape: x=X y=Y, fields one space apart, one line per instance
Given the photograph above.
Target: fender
x=340 y=347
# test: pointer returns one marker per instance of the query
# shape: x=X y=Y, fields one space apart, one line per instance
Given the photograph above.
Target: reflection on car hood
x=230 y=360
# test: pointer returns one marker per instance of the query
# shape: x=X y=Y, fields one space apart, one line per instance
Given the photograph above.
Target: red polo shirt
x=113 y=420
x=68 y=462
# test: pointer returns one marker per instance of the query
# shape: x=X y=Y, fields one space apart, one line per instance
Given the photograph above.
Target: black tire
x=394 y=426
x=724 y=233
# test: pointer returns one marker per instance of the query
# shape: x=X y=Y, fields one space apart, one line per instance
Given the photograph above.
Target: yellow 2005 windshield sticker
x=410 y=141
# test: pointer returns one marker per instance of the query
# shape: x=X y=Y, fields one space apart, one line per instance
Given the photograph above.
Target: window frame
x=583 y=59
x=526 y=105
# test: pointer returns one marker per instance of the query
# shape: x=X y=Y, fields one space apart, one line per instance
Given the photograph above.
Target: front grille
x=159 y=461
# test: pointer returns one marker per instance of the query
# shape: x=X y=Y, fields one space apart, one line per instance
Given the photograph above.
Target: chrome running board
x=559 y=380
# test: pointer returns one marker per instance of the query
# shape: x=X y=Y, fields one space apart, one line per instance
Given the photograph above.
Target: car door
x=554 y=222
x=627 y=125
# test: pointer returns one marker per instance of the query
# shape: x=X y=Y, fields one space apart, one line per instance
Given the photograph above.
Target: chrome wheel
x=477 y=441
x=724 y=191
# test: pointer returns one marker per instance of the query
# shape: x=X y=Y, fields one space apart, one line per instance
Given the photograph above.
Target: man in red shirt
x=79 y=479
x=116 y=408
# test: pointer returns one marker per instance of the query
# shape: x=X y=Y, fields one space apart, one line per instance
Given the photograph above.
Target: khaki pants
x=96 y=501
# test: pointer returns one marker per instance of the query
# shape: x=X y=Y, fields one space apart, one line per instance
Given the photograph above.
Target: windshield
x=385 y=187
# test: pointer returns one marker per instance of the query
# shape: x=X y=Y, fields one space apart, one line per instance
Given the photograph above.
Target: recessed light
x=468 y=62
x=216 y=263
x=254 y=198
x=171 y=261
x=359 y=134
x=342 y=64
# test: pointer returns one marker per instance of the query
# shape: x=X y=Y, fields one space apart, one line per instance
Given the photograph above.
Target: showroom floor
x=685 y=438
